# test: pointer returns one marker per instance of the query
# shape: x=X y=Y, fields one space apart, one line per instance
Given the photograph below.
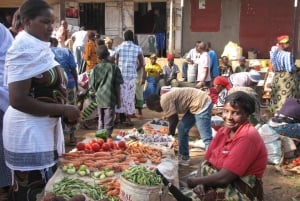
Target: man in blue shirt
x=214 y=62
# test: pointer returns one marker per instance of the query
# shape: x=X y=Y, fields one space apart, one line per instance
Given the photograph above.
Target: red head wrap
x=220 y=80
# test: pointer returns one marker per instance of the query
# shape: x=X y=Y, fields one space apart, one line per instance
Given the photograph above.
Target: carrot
x=105 y=180
x=113 y=193
x=75 y=153
x=118 y=151
x=101 y=153
x=142 y=160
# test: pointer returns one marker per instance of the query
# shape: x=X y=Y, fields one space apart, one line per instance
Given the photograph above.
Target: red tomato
x=92 y=141
x=122 y=145
x=96 y=147
x=109 y=140
x=111 y=144
x=80 y=146
x=88 y=148
x=100 y=142
x=106 y=147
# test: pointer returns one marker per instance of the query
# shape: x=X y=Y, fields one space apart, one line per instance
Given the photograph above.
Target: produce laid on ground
x=154 y=132
x=70 y=187
x=293 y=165
x=93 y=169
x=154 y=139
x=156 y=126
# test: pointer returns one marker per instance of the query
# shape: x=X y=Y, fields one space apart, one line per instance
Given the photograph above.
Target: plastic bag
x=170 y=170
x=233 y=51
x=273 y=143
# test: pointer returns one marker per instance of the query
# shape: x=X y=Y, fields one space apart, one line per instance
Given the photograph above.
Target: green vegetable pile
x=69 y=187
x=102 y=133
x=141 y=175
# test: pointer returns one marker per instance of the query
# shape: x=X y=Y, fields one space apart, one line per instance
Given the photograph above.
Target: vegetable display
x=102 y=133
x=69 y=187
x=141 y=175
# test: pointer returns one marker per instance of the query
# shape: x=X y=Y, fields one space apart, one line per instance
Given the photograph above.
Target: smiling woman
x=236 y=158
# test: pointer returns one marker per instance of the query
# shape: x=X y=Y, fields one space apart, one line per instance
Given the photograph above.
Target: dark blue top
x=66 y=59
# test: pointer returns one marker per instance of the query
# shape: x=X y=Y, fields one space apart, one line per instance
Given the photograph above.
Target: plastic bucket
x=135 y=192
x=192 y=73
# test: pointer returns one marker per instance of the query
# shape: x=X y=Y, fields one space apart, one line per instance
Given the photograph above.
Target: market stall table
x=162 y=152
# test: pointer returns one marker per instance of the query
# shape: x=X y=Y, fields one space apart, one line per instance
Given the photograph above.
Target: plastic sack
x=273 y=143
x=170 y=170
x=233 y=51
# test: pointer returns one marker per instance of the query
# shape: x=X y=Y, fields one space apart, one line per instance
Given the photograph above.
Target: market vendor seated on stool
x=243 y=67
x=236 y=158
x=153 y=72
x=195 y=105
x=169 y=73
x=219 y=92
x=190 y=58
x=225 y=69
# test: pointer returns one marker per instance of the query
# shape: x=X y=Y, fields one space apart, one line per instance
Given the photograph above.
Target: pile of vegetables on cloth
x=97 y=162
x=292 y=165
x=113 y=159
x=74 y=189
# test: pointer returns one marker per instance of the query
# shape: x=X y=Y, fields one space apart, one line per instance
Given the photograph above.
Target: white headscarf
x=27 y=58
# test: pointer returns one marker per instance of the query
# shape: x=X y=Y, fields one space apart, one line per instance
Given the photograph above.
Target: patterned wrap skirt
x=284 y=85
x=243 y=189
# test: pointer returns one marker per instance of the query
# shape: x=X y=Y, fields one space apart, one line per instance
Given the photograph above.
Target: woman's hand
x=199 y=190
x=71 y=113
x=191 y=182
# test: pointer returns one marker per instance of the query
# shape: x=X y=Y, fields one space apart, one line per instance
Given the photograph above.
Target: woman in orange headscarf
x=285 y=81
x=89 y=54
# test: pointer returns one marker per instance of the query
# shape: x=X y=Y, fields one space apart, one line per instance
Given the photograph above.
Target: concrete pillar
x=62 y=9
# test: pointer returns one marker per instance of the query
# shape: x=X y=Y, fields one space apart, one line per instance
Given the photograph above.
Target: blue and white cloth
x=6 y=41
x=282 y=61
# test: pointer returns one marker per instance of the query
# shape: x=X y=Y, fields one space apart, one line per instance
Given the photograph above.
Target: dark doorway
x=144 y=23
x=144 y=16
x=92 y=16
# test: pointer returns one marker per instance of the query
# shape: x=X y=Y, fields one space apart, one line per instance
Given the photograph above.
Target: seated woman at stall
x=236 y=159
x=169 y=73
x=255 y=116
x=225 y=69
x=153 y=73
x=219 y=91
x=286 y=121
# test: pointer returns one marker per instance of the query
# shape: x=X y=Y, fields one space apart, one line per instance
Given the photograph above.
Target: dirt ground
x=277 y=186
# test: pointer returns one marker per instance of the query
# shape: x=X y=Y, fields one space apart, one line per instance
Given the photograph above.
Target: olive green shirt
x=105 y=78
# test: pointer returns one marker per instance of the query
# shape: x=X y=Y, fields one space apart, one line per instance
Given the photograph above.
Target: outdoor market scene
x=113 y=109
